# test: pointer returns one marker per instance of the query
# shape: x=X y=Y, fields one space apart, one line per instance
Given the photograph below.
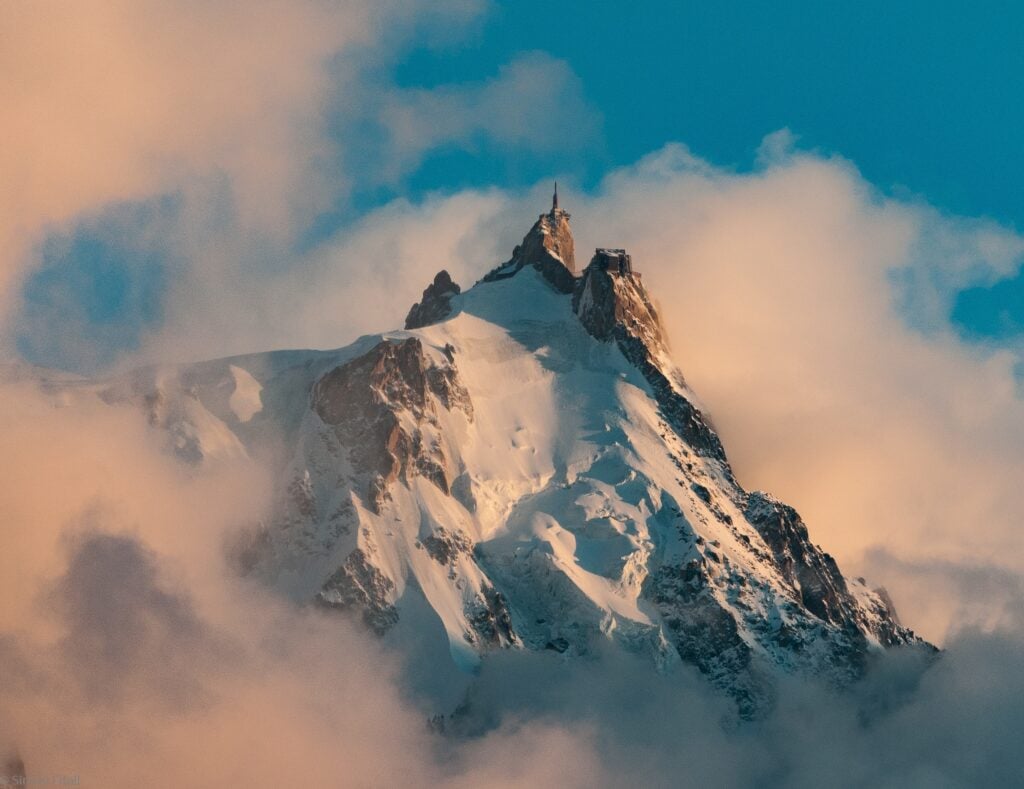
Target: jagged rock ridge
x=612 y=304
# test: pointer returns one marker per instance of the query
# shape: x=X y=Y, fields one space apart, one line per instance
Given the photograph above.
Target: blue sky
x=924 y=98
x=921 y=95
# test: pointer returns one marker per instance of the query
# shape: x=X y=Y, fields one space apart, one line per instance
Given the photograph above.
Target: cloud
x=133 y=658
x=122 y=625
x=208 y=140
x=362 y=280
x=115 y=101
x=94 y=290
x=78 y=460
x=951 y=725
x=960 y=595
x=535 y=103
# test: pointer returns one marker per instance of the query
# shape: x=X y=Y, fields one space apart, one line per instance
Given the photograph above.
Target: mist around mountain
x=522 y=467
x=501 y=546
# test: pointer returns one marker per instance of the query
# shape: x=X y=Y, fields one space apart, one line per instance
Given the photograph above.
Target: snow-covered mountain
x=522 y=467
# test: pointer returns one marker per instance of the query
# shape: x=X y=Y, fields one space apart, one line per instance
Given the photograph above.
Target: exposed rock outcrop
x=549 y=248
x=703 y=631
x=445 y=546
x=382 y=409
x=435 y=305
x=813 y=574
x=358 y=585
x=489 y=618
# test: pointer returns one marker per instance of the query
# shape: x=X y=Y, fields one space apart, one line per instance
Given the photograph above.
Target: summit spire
x=548 y=247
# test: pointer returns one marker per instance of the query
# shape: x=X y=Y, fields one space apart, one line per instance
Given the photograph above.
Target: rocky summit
x=523 y=467
x=435 y=304
x=548 y=248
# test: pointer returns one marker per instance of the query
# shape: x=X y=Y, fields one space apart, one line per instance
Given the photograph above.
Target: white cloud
x=235 y=112
x=362 y=281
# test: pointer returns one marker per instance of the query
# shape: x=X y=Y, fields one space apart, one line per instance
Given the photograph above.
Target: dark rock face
x=612 y=304
x=435 y=304
x=445 y=546
x=814 y=574
x=887 y=626
x=358 y=585
x=382 y=408
x=364 y=400
x=489 y=617
x=716 y=618
x=703 y=632
x=301 y=496
x=548 y=247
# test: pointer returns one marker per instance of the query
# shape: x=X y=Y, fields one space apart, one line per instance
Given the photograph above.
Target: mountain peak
x=548 y=247
x=524 y=467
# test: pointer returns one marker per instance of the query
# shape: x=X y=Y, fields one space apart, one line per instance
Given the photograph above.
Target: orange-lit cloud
x=133 y=657
x=112 y=101
x=107 y=101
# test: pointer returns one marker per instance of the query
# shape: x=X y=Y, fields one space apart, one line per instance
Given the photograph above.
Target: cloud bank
x=118 y=101
x=132 y=658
